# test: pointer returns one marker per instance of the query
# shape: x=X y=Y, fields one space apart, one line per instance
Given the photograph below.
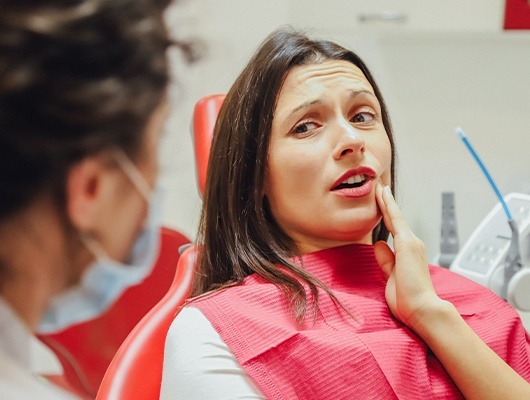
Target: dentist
x=82 y=106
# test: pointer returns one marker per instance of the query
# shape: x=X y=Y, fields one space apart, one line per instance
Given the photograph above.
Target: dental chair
x=85 y=350
x=135 y=373
x=204 y=117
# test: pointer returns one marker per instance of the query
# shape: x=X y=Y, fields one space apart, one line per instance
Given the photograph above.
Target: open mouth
x=352 y=182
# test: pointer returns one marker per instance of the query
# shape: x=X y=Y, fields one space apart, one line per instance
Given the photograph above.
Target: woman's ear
x=84 y=191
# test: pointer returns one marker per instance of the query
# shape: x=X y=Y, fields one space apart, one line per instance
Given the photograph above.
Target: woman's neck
x=349 y=266
x=314 y=246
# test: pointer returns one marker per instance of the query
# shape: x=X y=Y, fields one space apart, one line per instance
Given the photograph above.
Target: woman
x=293 y=299
x=82 y=100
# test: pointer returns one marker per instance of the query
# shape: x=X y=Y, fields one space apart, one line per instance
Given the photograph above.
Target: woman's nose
x=349 y=141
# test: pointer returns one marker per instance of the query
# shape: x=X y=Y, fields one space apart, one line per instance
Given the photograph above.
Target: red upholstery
x=136 y=370
x=85 y=350
x=135 y=373
x=204 y=117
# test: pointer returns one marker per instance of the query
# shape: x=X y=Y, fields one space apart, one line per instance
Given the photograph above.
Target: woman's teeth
x=354 y=179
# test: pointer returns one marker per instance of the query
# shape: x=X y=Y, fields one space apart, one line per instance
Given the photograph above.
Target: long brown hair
x=237 y=234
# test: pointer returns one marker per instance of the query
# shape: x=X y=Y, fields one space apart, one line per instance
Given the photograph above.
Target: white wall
x=231 y=31
x=434 y=77
x=448 y=65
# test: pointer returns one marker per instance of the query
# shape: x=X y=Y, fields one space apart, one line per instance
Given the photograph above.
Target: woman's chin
x=351 y=236
x=360 y=226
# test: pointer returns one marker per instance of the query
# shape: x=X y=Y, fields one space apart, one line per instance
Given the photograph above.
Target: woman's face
x=328 y=149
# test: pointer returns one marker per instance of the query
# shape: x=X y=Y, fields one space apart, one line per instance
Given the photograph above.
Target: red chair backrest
x=204 y=118
x=135 y=373
x=85 y=350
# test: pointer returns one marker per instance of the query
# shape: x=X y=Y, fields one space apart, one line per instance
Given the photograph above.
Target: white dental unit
x=486 y=258
x=497 y=254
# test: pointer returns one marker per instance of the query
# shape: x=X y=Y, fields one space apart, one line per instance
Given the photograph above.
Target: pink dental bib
x=368 y=356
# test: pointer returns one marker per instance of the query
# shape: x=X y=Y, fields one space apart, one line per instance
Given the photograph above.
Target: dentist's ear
x=86 y=187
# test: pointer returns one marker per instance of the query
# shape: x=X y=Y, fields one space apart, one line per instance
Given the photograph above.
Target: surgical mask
x=106 y=279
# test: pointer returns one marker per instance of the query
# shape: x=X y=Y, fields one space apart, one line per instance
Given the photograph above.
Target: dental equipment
x=492 y=255
x=449 y=245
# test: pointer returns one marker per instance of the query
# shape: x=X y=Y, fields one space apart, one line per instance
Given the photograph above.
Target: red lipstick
x=356 y=182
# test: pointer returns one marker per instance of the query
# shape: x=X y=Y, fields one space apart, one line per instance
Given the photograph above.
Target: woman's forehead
x=326 y=72
x=332 y=77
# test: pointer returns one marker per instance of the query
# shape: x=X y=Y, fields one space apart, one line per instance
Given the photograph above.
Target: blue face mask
x=106 y=279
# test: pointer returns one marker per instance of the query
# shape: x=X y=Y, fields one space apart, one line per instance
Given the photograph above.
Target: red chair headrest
x=204 y=118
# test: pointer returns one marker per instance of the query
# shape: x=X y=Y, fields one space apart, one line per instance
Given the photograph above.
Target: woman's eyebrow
x=353 y=93
x=306 y=105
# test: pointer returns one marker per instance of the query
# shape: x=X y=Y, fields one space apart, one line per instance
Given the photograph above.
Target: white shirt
x=16 y=379
x=198 y=365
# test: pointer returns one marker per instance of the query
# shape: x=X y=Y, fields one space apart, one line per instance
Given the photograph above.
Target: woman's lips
x=356 y=182
x=359 y=191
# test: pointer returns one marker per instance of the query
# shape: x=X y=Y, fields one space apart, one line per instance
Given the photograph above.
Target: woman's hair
x=76 y=77
x=237 y=234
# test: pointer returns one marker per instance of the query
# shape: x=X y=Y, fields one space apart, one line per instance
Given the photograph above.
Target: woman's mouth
x=352 y=182
x=356 y=183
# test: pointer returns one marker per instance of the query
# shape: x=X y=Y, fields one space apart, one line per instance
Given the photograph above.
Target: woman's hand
x=476 y=369
x=409 y=290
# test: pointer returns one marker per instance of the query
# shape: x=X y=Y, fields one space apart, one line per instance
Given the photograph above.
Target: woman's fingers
x=409 y=286
x=385 y=257
x=398 y=225
x=382 y=206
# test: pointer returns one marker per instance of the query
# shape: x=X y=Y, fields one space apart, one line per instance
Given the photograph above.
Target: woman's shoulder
x=190 y=324
x=467 y=295
x=252 y=291
x=445 y=278
x=190 y=339
x=198 y=364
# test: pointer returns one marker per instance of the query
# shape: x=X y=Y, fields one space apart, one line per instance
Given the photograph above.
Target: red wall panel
x=517 y=14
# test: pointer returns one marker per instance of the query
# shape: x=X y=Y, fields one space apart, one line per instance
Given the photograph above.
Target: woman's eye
x=304 y=127
x=363 y=117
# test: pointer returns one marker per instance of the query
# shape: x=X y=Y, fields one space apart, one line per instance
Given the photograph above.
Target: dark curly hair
x=76 y=77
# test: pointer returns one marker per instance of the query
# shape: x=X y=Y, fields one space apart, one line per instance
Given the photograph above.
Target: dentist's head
x=82 y=107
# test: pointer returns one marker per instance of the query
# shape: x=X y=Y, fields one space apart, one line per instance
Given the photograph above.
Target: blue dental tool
x=488 y=176
x=513 y=262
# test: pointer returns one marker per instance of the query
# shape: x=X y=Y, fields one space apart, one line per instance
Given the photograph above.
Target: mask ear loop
x=93 y=246
x=134 y=174
x=139 y=182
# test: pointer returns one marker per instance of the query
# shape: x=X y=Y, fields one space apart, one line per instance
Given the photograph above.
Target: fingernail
x=387 y=190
